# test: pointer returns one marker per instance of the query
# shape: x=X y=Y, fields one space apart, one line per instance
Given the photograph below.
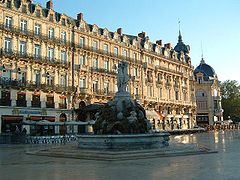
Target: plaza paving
x=224 y=165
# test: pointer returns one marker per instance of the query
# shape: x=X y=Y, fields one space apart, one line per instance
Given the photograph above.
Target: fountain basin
x=123 y=142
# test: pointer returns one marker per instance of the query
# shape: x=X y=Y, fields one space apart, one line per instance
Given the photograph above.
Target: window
x=63 y=22
x=37 y=29
x=50 y=54
x=185 y=96
x=94 y=45
x=135 y=71
x=49 y=80
x=36 y=77
x=82 y=83
x=106 y=64
x=106 y=88
x=125 y=53
x=82 y=41
x=6 y=74
x=21 y=100
x=149 y=60
x=51 y=33
x=176 y=95
x=23 y=48
x=51 y=17
x=150 y=91
x=23 y=25
x=24 y=8
x=95 y=86
x=161 y=92
x=169 y=93
x=50 y=102
x=63 y=81
x=5 y=98
x=36 y=100
x=134 y=56
x=115 y=51
x=105 y=48
x=8 y=44
x=82 y=60
x=63 y=57
x=95 y=63
x=8 y=22
x=21 y=76
x=135 y=91
x=199 y=80
x=38 y=13
x=63 y=37
x=9 y=5
x=37 y=51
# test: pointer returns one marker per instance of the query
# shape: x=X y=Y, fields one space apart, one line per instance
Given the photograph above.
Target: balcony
x=83 y=90
x=17 y=84
x=30 y=33
x=50 y=105
x=36 y=104
x=103 y=70
x=21 y=103
x=62 y=106
x=5 y=102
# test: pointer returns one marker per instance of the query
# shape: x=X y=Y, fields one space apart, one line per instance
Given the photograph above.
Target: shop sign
x=16 y=111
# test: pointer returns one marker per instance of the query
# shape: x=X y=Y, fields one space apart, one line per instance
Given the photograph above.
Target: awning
x=152 y=115
x=49 y=118
x=12 y=118
x=36 y=118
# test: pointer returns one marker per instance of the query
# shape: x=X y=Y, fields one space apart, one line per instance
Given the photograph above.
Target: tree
x=230 y=90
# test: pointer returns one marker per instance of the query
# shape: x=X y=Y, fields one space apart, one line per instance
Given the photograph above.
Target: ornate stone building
x=208 y=96
x=51 y=64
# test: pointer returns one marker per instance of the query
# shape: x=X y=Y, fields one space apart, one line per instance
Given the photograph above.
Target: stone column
x=43 y=100
x=14 y=97
x=28 y=99
x=56 y=100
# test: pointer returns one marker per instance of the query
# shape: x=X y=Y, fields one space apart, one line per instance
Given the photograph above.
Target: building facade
x=52 y=64
x=208 y=96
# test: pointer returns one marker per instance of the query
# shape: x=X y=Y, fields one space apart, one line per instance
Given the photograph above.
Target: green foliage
x=230 y=90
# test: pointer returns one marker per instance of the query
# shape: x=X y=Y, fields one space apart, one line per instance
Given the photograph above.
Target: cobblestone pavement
x=224 y=165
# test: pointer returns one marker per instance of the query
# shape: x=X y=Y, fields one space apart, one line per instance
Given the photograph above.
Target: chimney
x=119 y=31
x=80 y=16
x=168 y=45
x=142 y=34
x=159 y=42
x=49 y=4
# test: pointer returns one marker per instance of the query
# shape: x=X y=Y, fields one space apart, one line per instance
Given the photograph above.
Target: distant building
x=51 y=64
x=208 y=96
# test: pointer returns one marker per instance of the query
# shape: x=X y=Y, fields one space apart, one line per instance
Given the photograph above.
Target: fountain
x=122 y=123
x=122 y=132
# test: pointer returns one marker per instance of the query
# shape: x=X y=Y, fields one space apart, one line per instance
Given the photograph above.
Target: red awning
x=49 y=118
x=36 y=118
x=12 y=118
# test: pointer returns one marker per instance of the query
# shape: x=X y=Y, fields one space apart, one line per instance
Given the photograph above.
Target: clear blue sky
x=214 y=22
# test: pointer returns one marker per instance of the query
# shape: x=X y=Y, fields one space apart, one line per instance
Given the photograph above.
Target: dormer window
x=38 y=13
x=200 y=80
x=51 y=18
x=24 y=8
x=63 y=22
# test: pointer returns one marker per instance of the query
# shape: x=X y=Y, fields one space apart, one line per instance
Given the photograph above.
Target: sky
x=213 y=23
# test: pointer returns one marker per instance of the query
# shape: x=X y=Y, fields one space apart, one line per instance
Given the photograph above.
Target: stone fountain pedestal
x=123 y=142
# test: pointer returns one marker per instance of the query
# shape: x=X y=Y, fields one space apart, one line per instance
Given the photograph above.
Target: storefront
x=11 y=124
x=40 y=130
